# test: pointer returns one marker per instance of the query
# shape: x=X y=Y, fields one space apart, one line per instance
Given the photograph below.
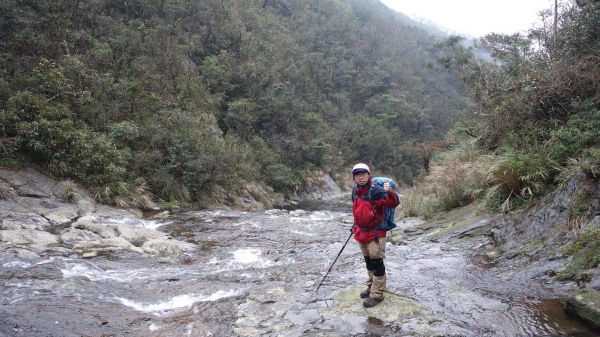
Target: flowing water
x=255 y=274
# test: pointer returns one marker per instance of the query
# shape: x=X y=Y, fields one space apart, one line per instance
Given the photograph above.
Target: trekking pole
x=341 y=250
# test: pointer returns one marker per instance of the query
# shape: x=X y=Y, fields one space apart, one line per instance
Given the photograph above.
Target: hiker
x=368 y=221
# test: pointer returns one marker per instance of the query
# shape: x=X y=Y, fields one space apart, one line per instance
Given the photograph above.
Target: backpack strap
x=367 y=196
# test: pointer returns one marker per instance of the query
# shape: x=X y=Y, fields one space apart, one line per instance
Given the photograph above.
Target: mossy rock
x=585 y=303
x=582 y=260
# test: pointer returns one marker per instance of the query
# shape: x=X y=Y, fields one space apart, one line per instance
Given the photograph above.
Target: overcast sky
x=475 y=17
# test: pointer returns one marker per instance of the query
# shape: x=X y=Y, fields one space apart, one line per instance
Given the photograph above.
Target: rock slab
x=585 y=303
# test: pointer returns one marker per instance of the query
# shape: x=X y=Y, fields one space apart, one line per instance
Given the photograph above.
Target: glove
x=352 y=228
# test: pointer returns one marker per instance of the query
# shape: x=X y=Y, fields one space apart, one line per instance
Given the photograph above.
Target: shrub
x=581 y=132
x=588 y=163
x=456 y=179
x=518 y=173
x=123 y=194
x=45 y=133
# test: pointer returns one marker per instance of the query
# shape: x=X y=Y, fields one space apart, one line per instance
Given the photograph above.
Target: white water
x=177 y=302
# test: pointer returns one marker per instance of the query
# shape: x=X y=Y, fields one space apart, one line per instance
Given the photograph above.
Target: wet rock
x=414 y=231
x=103 y=230
x=585 y=303
x=397 y=239
x=323 y=189
x=393 y=308
x=595 y=281
x=161 y=215
x=92 y=248
x=22 y=254
x=543 y=221
x=27 y=236
x=583 y=259
x=137 y=234
x=105 y=211
x=29 y=182
x=170 y=249
x=74 y=235
x=23 y=221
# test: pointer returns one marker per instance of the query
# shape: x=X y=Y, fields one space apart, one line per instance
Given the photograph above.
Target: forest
x=203 y=102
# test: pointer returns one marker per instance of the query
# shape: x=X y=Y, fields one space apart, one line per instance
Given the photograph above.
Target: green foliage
x=198 y=99
x=585 y=249
x=126 y=194
x=537 y=109
x=582 y=131
x=459 y=178
x=518 y=173
x=45 y=133
x=282 y=178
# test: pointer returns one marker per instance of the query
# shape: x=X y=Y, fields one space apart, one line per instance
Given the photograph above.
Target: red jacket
x=366 y=218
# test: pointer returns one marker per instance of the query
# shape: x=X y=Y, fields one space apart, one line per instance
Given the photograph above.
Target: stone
x=27 y=236
x=595 y=281
x=104 y=245
x=170 y=249
x=103 y=230
x=74 y=235
x=585 y=303
x=393 y=309
x=23 y=221
x=136 y=234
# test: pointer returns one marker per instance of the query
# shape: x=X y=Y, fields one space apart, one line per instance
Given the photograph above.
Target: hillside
x=530 y=152
x=209 y=101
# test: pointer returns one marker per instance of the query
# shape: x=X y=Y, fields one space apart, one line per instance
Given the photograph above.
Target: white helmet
x=360 y=167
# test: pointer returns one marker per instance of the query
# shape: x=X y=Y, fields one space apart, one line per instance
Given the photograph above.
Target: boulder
x=27 y=236
x=93 y=248
x=393 y=308
x=136 y=234
x=103 y=230
x=74 y=235
x=23 y=221
x=322 y=189
x=585 y=303
x=170 y=249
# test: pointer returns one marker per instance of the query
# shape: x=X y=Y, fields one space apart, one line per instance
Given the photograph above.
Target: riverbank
x=459 y=274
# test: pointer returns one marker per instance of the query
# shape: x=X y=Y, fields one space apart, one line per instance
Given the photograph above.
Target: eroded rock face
x=324 y=189
x=35 y=217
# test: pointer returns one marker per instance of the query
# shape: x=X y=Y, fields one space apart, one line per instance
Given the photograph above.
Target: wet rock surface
x=106 y=271
x=585 y=303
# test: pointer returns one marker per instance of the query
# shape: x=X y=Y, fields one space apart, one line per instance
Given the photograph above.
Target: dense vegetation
x=537 y=120
x=212 y=100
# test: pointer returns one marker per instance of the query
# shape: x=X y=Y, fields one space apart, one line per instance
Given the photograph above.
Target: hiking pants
x=374 y=253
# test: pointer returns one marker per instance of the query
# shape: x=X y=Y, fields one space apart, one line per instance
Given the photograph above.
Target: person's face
x=361 y=178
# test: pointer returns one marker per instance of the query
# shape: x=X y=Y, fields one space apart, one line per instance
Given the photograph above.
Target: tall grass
x=455 y=179
x=464 y=175
x=126 y=195
x=6 y=191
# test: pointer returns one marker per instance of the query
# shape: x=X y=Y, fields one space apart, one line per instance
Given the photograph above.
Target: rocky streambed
x=80 y=268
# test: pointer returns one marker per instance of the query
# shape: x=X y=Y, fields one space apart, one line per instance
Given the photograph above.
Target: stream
x=255 y=274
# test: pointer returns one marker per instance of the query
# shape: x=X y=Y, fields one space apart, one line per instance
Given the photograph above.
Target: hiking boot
x=371 y=302
x=365 y=293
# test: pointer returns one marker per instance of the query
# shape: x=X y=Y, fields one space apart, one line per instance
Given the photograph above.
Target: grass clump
x=69 y=191
x=503 y=181
x=454 y=181
x=6 y=191
x=126 y=195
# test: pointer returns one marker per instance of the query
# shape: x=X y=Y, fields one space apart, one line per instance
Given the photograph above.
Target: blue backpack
x=389 y=223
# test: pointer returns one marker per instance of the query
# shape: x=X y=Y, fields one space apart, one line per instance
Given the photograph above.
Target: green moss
x=585 y=258
x=529 y=247
x=585 y=303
